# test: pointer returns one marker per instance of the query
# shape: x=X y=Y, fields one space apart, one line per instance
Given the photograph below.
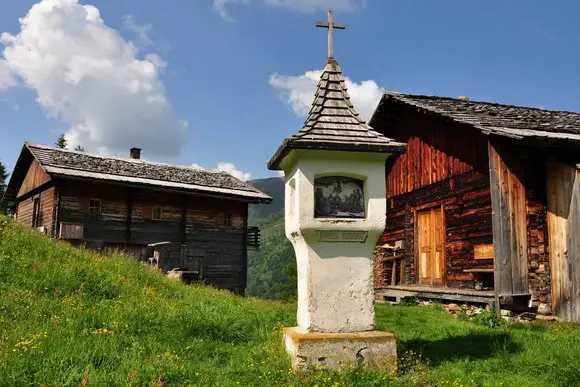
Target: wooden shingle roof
x=81 y=165
x=517 y=122
x=333 y=122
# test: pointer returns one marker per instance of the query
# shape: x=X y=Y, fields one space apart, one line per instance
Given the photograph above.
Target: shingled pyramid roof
x=333 y=123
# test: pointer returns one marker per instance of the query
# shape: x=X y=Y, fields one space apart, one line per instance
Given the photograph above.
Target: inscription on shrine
x=342 y=236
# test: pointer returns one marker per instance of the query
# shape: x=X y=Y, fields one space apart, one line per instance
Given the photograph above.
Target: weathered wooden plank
x=517 y=203
x=71 y=231
x=435 y=152
x=24 y=212
x=483 y=251
x=563 y=191
x=423 y=293
x=509 y=222
x=573 y=243
x=502 y=277
x=35 y=177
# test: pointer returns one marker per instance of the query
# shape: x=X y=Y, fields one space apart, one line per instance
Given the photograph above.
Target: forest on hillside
x=272 y=268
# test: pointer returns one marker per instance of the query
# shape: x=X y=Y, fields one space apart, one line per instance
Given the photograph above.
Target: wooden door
x=430 y=246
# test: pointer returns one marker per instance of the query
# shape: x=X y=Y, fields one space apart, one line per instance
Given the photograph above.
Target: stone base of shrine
x=374 y=349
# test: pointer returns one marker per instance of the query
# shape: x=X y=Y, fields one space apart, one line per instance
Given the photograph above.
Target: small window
x=95 y=206
x=227 y=219
x=156 y=213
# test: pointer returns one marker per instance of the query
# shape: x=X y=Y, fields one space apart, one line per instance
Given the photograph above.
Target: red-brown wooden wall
x=436 y=151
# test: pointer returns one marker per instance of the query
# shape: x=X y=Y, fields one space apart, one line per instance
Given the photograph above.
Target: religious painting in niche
x=338 y=197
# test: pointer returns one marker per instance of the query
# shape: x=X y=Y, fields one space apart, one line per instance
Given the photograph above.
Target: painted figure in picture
x=338 y=197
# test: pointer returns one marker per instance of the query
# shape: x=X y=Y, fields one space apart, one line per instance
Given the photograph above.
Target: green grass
x=71 y=317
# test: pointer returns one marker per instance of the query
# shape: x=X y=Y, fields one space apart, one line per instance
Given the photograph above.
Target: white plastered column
x=335 y=279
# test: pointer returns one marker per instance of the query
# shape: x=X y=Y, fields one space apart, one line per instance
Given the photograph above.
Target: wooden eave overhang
x=288 y=145
x=97 y=168
x=531 y=126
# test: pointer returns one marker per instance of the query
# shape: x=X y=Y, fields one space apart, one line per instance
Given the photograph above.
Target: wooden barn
x=183 y=217
x=484 y=206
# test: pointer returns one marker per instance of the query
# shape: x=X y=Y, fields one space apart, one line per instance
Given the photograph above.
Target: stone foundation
x=374 y=349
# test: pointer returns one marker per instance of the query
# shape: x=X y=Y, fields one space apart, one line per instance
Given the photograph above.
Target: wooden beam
x=183 y=219
x=573 y=243
x=508 y=220
x=55 y=210
x=563 y=194
x=128 y=221
x=244 y=279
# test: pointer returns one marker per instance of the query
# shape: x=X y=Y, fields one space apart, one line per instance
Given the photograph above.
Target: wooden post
x=55 y=212
x=183 y=219
x=563 y=193
x=129 y=217
x=509 y=223
x=244 y=275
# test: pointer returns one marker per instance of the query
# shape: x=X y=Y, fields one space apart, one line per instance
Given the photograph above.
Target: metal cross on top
x=331 y=25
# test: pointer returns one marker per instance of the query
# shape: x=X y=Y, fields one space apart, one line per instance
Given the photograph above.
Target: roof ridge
x=120 y=158
x=426 y=96
x=76 y=163
x=511 y=121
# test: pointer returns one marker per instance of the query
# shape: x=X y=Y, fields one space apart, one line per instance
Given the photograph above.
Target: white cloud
x=281 y=173
x=314 y=5
x=298 y=92
x=86 y=74
x=6 y=78
x=229 y=168
x=220 y=7
x=233 y=170
x=141 y=31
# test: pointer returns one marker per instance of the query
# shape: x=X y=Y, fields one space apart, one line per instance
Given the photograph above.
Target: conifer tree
x=79 y=148
x=4 y=206
x=61 y=142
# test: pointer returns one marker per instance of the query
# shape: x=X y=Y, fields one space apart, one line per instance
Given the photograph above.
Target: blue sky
x=204 y=87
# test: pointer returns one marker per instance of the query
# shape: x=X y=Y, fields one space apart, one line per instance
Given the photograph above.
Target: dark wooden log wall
x=563 y=193
x=224 y=245
x=467 y=211
x=25 y=208
x=194 y=226
x=24 y=212
x=445 y=164
x=36 y=185
x=109 y=226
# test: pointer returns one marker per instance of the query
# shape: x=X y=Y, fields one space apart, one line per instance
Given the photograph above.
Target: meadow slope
x=70 y=317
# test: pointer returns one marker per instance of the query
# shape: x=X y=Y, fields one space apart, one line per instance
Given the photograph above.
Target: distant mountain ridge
x=273 y=186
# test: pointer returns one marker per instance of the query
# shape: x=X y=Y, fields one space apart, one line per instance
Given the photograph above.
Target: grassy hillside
x=71 y=317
